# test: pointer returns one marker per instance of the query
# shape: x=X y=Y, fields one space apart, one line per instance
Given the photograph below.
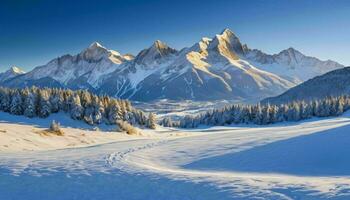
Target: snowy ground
x=306 y=160
x=18 y=133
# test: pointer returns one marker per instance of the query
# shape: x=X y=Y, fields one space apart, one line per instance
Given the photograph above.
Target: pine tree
x=54 y=101
x=339 y=106
x=76 y=110
x=167 y=122
x=258 y=114
x=29 y=103
x=266 y=115
x=43 y=107
x=152 y=121
x=5 y=99
x=273 y=112
x=114 y=112
x=16 y=106
x=98 y=110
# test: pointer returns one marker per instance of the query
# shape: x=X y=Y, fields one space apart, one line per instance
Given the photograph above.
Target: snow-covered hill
x=217 y=68
x=333 y=83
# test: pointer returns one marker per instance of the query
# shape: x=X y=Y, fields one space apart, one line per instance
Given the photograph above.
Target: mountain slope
x=217 y=68
x=11 y=73
x=333 y=83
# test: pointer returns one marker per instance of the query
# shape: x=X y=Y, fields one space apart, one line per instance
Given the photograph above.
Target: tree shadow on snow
x=324 y=153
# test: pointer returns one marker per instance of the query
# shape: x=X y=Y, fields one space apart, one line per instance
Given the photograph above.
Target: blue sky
x=32 y=32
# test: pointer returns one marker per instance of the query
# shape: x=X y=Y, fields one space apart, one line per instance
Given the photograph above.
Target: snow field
x=209 y=163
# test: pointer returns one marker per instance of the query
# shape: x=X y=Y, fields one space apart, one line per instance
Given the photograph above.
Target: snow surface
x=19 y=133
x=302 y=160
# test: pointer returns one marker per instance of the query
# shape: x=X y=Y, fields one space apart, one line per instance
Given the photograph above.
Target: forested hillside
x=266 y=114
x=333 y=83
x=80 y=105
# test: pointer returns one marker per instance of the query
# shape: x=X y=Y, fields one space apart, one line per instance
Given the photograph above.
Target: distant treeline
x=265 y=114
x=80 y=105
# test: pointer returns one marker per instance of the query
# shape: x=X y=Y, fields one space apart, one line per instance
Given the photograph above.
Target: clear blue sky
x=32 y=32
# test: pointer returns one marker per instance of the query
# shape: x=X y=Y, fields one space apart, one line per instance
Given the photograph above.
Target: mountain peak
x=11 y=73
x=291 y=49
x=291 y=52
x=159 y=45
x=227 y=31
x=228 y=35
x=96 y=45
x=158 y=42
x=16 y=70
x=157 y=51
x=228 y=44
x=95 y=52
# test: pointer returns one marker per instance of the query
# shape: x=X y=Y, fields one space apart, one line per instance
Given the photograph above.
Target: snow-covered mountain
x=217 y=68
x=210 y=69
x=82 y=70
x=291 y=64
x=11 y=73
x=333 y=83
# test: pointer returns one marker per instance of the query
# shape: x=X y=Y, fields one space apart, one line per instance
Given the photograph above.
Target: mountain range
x=214 y=68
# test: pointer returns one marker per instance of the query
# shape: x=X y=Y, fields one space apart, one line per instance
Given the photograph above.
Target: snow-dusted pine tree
x=16 y=106
x=76 y=110
x=29 y=103
x=152 y=121
x=43 y=107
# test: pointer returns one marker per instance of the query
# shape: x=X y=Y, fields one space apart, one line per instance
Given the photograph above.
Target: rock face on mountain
x=217 y=68
x=333 y=83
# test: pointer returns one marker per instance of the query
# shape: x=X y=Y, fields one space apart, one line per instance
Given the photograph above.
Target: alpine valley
x=212 y=69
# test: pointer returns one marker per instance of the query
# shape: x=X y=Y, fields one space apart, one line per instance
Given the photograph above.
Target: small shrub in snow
x=55 y=127
x=128 y=128
x=96 y=129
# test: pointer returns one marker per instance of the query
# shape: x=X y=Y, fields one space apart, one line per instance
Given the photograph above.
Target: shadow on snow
x=324 y=153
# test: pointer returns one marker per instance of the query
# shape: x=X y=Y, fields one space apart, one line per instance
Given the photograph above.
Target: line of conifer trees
x=265 y=114
x=80 y=105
